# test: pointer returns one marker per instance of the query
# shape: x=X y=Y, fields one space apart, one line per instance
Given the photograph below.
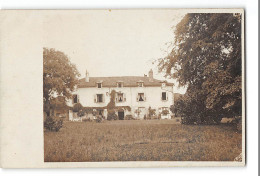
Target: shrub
x=151 y=113
x=238 y=122
x=99 y=119
x=77 y=107
x=111 y=115
x=129 y=117
x=53 y=124
x=94 y=112
x=165 y=112
x=81 y=113
x=85 y=120
x=155 y=117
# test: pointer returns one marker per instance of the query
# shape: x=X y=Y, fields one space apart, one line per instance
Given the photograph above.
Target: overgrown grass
x=140 y=140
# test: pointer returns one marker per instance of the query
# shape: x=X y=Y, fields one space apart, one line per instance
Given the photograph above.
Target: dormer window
x=140 y=84
x=119 y=84
x=99 y=85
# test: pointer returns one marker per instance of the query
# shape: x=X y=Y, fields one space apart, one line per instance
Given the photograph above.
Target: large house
x=135 y=95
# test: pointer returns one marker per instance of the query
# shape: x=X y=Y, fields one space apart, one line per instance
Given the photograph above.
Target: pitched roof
x=128 y=81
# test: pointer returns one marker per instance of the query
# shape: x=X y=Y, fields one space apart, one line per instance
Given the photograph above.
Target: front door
x=121 y=115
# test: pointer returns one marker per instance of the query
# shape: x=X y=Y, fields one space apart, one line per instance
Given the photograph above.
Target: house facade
x=135 y=95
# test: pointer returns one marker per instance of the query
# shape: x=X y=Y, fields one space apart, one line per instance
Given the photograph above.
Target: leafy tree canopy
x=207 y=58
x=60 y=76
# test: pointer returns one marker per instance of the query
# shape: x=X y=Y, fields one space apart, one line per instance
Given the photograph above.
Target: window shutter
x=167 y=96
x=77 y=98
x=95 y=98
x=103 y=98
x=124 y=97
x=144 y=98
x=137 y=97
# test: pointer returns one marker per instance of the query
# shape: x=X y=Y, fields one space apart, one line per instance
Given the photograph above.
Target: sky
x=113 y=42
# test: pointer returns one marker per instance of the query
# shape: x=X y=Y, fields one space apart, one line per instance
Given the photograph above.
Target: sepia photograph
x=143 y=85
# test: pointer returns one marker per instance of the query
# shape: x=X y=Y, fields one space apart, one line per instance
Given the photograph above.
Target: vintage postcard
x=123 y=88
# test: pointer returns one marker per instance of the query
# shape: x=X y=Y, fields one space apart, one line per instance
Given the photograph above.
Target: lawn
x=140 y=140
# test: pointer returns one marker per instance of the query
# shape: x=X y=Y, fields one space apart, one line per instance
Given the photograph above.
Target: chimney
x=151 y=75
x=87 y=76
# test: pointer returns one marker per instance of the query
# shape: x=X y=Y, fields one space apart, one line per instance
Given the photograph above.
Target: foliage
x=238 y=121
x=94 y=112
x=53 y=124
x=151 y=112
x=137 y=111
x=112 y=104
x=99 y=119
x=128 y=108
x=77 y=107
x=207 y=59
x=111 y=114
x=60 y=76
x=129 y=117
x=165 y=112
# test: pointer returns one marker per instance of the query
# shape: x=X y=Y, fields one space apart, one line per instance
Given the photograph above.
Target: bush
x=129 y=117
x=85 y=120
x=155 y=117
x=238 y=122
x=77 y=107
x=99 y=119
x=81 y=113
x=53 y=124
x=165 y=112
x=111 y=115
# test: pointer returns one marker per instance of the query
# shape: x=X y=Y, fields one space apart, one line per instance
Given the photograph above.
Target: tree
x=60 y=76
x=111 y=113
x=207 y=58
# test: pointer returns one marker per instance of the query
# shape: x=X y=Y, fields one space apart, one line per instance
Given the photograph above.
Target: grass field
x=140 y=140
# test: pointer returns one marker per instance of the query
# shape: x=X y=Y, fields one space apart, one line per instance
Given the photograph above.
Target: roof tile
x=128 y=81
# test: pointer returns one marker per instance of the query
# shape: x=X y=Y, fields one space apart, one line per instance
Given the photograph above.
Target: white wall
x=152 y=94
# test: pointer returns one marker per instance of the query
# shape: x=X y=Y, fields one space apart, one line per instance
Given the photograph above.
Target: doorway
x=121 y=115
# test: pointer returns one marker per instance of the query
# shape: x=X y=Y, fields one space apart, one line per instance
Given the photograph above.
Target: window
x=75 y=98
x=99 y=85
x=140 y=97
x=164 y=96
x=140 y=84
x=119 y=84
x=99 y=98
x=120 y=97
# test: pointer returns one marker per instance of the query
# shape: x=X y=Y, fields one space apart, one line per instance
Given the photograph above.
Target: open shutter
x=124 y=97
x=77 y=98
x=103 y=98
x=136 y=97
x=95 y=98
x=167 y=96
x=144 y=97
